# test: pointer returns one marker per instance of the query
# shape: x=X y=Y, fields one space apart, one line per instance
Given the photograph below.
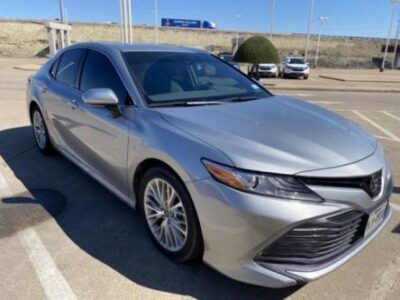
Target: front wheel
x=170 y=215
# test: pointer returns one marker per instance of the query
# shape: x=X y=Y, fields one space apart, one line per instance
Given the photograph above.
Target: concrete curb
x=27 y=67
x=332 y=78
x=361 y=80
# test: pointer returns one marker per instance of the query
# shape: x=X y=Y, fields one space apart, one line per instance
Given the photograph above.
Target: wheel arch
x=32 y=105
x=144 y=166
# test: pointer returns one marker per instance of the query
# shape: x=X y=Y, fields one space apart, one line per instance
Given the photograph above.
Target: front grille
x=371 y=184
x=317 y=241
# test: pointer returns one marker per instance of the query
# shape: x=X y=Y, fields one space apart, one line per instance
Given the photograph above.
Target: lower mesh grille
x=316 y=242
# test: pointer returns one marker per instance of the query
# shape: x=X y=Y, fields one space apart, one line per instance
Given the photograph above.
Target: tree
x=256 y=50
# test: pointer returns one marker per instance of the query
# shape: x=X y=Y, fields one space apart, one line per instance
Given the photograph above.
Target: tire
x=40 y=132
x=306 y=77
x=155 y=216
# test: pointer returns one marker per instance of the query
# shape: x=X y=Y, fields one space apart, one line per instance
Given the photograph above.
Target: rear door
x=60 y=95
x=100 y=139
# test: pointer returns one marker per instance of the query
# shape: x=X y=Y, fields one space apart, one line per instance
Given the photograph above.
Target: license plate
x=375 y=219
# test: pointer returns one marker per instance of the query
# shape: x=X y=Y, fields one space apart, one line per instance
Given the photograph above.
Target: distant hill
x=27 y=38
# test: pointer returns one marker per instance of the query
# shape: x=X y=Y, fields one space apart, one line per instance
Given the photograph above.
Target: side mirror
x=103 y=97
x=100 y=97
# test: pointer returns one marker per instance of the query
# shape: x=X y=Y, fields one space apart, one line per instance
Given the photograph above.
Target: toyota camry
x=266 y=189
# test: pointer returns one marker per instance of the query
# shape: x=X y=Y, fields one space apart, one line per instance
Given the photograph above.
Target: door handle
x=74 y=104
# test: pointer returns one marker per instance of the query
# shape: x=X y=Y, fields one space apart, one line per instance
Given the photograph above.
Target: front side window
x=187 y=77
x=67 y=71
x=99 y=72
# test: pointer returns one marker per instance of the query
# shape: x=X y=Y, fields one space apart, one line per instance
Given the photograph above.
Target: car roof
x=125 y=47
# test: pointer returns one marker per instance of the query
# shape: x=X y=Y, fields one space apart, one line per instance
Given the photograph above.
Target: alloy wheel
x=165 y=214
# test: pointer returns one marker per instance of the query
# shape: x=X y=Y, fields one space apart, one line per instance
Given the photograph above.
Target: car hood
x=275 y=134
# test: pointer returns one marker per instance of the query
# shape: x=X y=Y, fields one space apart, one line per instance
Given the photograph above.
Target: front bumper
x=237 y=226
x=268 y=73
x=296 y=74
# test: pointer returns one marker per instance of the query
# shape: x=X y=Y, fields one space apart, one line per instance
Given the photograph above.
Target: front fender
x=153 y=138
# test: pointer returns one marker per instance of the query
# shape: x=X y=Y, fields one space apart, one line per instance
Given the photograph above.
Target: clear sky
x=347 y=17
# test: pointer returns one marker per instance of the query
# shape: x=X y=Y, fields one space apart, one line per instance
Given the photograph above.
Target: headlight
x=281 y=186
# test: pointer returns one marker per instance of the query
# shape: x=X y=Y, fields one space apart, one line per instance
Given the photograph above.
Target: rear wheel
x=40 y=132
x=170 y=215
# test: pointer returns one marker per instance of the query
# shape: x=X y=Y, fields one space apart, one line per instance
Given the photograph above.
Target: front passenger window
x=99 y=72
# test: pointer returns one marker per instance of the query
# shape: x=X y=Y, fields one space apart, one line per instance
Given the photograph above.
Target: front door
x=100 y=139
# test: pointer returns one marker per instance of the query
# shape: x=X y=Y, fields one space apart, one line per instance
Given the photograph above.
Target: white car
x=265 y=70
x=268 y=70
x=295 y=67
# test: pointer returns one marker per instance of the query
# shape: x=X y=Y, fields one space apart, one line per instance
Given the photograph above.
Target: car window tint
x=99 y=72
x=68 y=68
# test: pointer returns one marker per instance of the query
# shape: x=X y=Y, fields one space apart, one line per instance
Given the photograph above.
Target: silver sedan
x=266 y=189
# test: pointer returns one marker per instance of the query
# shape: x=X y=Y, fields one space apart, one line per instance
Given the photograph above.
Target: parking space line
x=325 y=102
x=390 y=115
x=395 y=206
x=376 y=125
x=54 y=284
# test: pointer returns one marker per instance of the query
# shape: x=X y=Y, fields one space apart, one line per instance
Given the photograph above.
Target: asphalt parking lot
x=62 y=235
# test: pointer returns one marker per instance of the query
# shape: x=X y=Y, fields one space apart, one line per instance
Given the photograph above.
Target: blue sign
x=180 y=23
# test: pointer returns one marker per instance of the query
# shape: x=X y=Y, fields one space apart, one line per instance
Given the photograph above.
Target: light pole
x=322 y=21
x=310 y=16
x=126 y=21
x=395 y=2
x=273 y=5
x=397 y=43
x=237 y=34
x=62 y=11
x=156 y=21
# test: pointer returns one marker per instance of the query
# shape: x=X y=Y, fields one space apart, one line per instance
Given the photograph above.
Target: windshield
x=298 y=61
x=179 y=77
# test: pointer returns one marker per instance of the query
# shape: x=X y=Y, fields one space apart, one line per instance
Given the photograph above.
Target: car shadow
x=102 y=225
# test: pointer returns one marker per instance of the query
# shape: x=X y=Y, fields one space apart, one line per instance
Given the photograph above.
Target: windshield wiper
x=184 y=103
x=240 y=99
x=199 y=103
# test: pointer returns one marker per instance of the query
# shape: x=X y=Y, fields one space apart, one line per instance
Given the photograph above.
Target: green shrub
x=257 y=50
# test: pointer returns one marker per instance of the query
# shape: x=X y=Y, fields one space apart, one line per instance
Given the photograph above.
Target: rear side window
x=99 y=72
x=68 y=68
